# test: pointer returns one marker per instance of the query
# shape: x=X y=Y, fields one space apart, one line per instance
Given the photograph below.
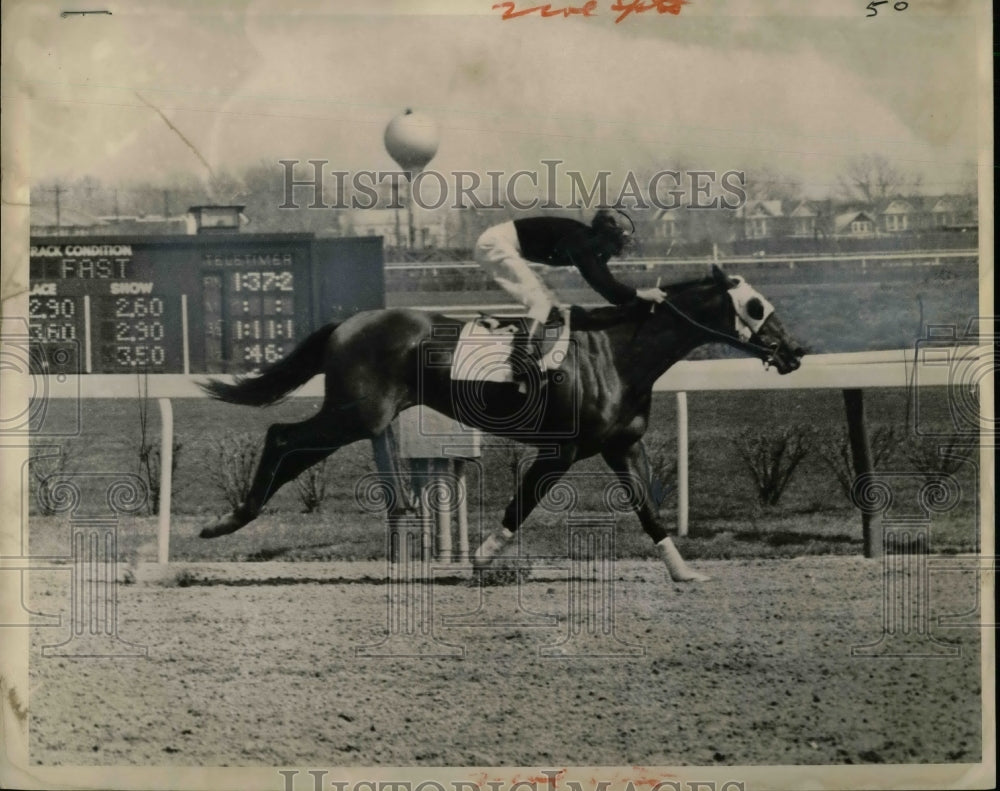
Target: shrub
x=773 y=457
x=835 y=450
x=311 y=487
x=231 y=464
x=934 y=456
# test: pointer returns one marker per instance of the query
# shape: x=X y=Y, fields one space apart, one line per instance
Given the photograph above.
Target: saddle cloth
x=484 y=347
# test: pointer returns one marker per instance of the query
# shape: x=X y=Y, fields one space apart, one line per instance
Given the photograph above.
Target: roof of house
x=899 y=206
x=844 y=219
x=763 y=208
x=804 y=209
x=948 y=203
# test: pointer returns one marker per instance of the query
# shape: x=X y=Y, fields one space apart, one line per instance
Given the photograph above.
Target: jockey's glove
x=651 y=294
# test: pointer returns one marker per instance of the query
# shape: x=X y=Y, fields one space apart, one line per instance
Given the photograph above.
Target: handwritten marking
x=627 y=7
x=512 y=12
x=901 y=5
x=624 y=9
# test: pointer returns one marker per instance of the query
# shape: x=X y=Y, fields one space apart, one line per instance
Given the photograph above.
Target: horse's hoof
x=225 y=526
x=494 y=544
x=481 y=564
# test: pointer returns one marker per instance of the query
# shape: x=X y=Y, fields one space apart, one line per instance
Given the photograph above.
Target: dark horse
x=378 y=363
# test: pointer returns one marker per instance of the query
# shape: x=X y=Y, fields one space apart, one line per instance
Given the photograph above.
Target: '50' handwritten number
x=902 y=5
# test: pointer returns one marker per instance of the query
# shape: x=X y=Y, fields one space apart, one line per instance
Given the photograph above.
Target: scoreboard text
x=193 y=304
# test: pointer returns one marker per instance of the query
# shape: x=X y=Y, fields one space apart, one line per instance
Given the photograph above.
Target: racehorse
x=380 y=362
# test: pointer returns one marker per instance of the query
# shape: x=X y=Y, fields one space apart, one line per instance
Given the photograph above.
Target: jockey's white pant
x=499 y=253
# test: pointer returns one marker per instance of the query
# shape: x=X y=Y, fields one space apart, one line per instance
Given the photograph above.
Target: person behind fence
x=505 y=251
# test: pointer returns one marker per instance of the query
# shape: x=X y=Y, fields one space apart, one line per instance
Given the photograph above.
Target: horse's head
x=753 y=326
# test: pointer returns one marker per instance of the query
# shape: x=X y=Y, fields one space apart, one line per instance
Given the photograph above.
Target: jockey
x=505 y=250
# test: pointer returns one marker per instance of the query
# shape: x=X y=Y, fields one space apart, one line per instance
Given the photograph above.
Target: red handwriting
x=624 y=8
x=512 y=12
x=627 y=7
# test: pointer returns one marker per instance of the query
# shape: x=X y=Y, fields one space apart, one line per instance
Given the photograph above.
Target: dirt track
x=752 y=668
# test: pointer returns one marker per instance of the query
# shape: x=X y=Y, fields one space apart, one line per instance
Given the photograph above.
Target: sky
x=790 y=85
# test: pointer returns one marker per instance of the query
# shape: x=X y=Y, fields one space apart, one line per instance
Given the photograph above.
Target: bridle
x=770 y=352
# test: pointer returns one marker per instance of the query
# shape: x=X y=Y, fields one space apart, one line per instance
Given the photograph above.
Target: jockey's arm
x=594 y=269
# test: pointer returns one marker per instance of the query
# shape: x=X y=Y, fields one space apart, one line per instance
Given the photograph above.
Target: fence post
x=682 y=464
x=166 y=478
x=462 y=516
x=861 y=456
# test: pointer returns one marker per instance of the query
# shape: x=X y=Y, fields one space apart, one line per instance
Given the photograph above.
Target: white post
x=185 y=339
x=682 y=464
x=444 y=547
x=88 y=361
x=166 y=477
x=463 y=511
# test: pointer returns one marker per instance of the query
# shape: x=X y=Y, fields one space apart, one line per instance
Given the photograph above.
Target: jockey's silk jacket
x=561 y=241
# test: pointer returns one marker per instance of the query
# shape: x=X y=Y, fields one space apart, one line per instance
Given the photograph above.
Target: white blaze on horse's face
x=752 y=310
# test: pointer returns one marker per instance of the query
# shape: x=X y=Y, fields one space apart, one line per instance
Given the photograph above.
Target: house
x=900 y=215
x=664 y=227
x=763 y=218
x=951 y=211
x=803 y=219
x=855 y=224
x=800 y=223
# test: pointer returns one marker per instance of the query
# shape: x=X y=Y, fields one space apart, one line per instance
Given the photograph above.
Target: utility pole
x=166 y=204
x=58 y=190
x=395 y=203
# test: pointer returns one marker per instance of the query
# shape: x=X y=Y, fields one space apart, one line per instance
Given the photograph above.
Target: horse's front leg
x=544 y=472
x=632 y=468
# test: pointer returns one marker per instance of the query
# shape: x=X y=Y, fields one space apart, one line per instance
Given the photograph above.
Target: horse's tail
x=278 y=379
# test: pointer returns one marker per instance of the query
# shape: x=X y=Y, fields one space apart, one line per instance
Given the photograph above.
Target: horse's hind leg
x=289 y=448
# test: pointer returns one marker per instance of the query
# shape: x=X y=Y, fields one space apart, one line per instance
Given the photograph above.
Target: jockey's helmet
x=614 y=225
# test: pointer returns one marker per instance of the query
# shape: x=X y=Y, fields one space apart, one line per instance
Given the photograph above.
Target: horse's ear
x=720 y=277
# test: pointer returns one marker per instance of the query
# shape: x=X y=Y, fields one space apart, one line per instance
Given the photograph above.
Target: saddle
x=483 y=351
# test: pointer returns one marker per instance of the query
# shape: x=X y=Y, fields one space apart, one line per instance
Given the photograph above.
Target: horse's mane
x=604 y=317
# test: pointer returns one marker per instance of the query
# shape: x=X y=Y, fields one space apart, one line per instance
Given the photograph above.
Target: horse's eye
x=755 y=309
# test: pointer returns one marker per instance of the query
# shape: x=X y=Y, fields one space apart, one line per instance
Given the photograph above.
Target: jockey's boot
x=526 y=356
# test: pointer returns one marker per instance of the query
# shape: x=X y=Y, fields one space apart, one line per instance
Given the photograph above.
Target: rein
x=732 y=340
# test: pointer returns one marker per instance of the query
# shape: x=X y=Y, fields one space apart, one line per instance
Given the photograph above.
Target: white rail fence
x=898 y=368
x=907 y=258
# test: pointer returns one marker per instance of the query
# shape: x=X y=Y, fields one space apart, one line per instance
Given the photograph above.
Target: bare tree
x=872 y=178
x=968 y=187
x=768 y=184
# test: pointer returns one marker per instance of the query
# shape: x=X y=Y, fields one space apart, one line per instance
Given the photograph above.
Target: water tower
x=412 y=141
